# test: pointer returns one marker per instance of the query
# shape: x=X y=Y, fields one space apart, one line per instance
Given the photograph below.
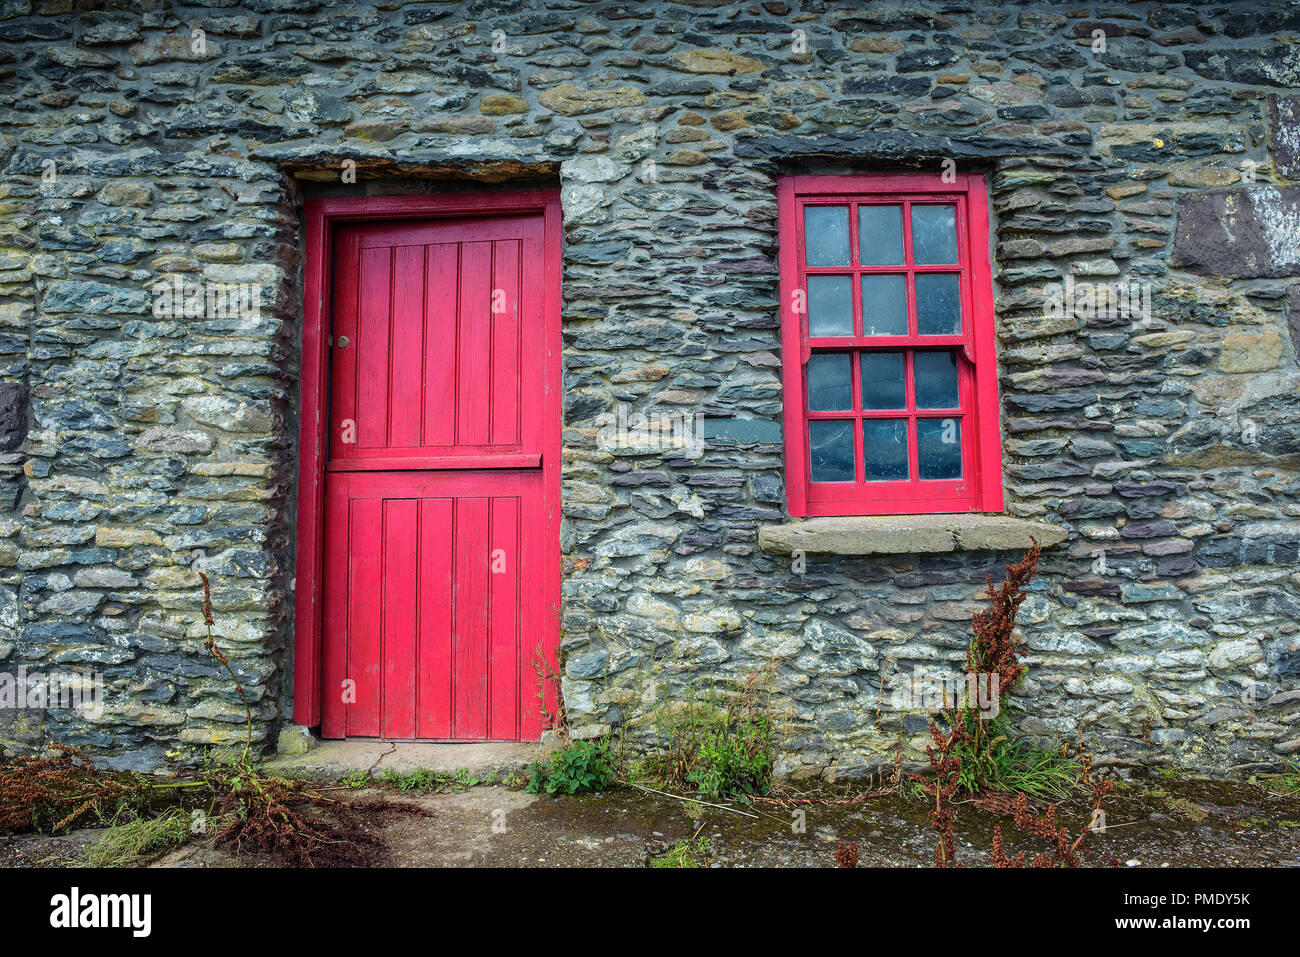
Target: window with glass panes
x=887 y=330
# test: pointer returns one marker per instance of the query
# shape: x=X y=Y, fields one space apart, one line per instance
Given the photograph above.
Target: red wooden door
x=436 y=519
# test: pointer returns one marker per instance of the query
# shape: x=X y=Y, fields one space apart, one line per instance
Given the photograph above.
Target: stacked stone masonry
x=1147 y=143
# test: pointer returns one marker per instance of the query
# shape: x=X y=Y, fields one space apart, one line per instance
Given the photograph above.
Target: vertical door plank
x=365 y=555
x=505 y=344
x=372 y=348
x=474 y=376
x=334 y=614
x=441 y=344
x=400 y=602
x=343 y=364
x=503 y=618
x=433 y=689
x=405 y=389
x=535 y=618
x=469 y=665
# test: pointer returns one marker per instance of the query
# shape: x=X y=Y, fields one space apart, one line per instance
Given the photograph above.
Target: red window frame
x=980 y=486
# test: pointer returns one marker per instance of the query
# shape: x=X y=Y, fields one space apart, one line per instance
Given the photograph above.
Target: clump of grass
x=138 y=840
x=1017 y=766
x=429 y=781
x=1285 y=783
x=733 y=760
x=1187 y=810
x=718 y=750
x=685 y=853
x=512 y=779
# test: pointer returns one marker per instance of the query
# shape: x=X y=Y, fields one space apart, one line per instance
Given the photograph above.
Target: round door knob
x=343 y=342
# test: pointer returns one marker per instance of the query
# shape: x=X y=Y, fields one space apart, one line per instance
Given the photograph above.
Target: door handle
x=342 y=342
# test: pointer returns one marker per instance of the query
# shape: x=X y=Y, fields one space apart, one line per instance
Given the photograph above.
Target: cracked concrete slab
x=333 y=760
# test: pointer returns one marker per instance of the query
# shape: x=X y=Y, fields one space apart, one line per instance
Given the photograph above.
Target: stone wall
x=1138 y=143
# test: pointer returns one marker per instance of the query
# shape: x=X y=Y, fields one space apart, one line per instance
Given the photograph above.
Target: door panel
x=436 y=337
x=434 y=484
x=429 y=606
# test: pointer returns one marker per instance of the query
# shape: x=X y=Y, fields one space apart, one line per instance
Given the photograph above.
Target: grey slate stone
x=1253 y=232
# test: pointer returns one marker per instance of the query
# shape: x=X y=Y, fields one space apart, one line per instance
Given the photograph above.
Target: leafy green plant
x=356 y=780
x=513 y=779
x=733 y=760
x=580 y=766
x=462 y=780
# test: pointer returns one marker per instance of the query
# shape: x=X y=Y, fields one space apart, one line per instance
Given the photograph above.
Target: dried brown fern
x=940 y=788
x=995 y=649
x=53 y=792
x=1062 y=850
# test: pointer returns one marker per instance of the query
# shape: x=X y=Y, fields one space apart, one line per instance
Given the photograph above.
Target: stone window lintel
x=905 y=534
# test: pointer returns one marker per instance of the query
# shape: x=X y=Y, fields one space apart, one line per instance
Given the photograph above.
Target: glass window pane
x=830 y=447
x=826 y=235
x=884 y=305
x=830 y=306
x=938 y=304
x=880 y=235
x=938 y=446
x=934 y=234
x=830 y=381
x=883 y=385
x=936 y=379
x=884 y=449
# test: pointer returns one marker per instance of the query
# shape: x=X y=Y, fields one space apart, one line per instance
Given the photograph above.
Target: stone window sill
x=905 y=534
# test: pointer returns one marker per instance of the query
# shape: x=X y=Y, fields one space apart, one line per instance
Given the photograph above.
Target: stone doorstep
x=905 y=534
x=334 y=760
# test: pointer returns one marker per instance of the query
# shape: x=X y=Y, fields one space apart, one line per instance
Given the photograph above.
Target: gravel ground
x=1151 y=823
